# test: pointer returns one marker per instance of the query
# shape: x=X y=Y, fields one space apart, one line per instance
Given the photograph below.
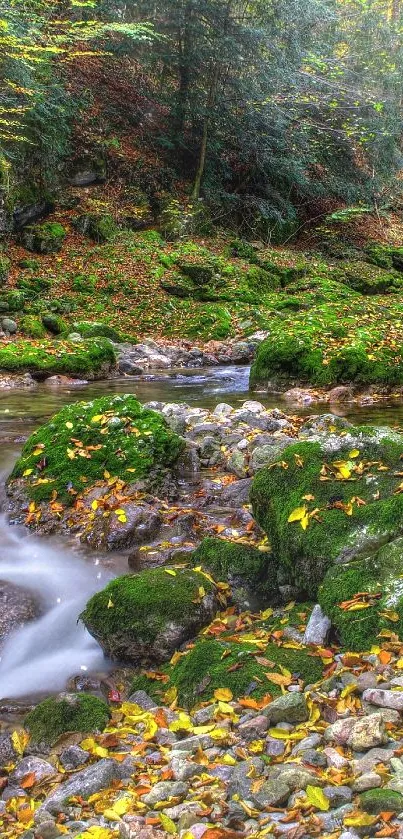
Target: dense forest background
x=259 y=115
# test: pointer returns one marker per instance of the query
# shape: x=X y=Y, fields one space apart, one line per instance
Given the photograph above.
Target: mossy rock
x=147 y=616
x=381 y=576
x=43 y=238
x=178 y=286
x=312 y=291
x=90 y=359
x=261 y=281
x=384 y=800
x=96 y=330
x=32 y=327
x=370 y=279
x=200 y=271
x=33 y=286
x=29 y=264
x=5 y=266
x=379 y=254
x=72 y=712
x=12 y=301
x=211 y=322
x=54 y=323
x=100 y=227
x=252 y=574
x=126 y=440
x=353 y=498
x=222 y=663
x=352 y=340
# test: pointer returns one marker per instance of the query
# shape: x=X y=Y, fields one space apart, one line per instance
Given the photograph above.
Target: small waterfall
x=44 y=653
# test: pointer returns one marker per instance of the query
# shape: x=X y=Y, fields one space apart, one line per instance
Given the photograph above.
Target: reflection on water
x=21 y=411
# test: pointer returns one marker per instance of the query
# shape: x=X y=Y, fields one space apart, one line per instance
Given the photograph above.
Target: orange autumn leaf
x=384 y=657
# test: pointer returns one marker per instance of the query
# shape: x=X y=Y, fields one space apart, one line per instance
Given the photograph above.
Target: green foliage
x=124 y=439
x=74 y=712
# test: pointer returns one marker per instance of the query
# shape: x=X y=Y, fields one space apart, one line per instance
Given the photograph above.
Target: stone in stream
x=151 y=613
x=17 y=607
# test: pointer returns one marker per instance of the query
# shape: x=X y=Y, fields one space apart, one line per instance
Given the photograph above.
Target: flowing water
x=41 y=656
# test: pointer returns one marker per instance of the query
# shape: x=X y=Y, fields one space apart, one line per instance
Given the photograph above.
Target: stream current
x=40 y=657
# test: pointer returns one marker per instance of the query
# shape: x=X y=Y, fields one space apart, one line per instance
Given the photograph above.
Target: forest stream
x=41 y=656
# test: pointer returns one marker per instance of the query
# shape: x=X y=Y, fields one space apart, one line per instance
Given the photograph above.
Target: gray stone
x=309 y=742
x=334 y=758
x=317 y=628
x=192 y=744
x=367 y=733
x=73 y=757
x=9 y=325
x=274 y=747
x=270 y=794
x=40 y=768
x=332 y=820
x=243 y=776
x=374 y=756
x=370 y=780
x=295 y=776
x=183 y=769
x=254 y=728
x=291 y=708
x=90 y=780
x=7 y=751
x=164 y=790
x=338 y=796
x=143 y=700
x=384 y=698
x=311 y=757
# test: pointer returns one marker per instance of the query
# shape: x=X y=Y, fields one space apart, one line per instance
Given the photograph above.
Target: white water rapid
x=43 y=654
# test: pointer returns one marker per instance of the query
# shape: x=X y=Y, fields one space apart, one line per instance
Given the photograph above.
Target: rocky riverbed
x=280 y=717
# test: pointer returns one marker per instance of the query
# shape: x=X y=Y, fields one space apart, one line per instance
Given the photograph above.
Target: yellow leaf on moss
x=297 y=514
x=224 y=694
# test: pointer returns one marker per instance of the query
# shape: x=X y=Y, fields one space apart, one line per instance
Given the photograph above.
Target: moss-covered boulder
x=370 y=279
x=221 y=663
x=71 y=712
x=364 y=597
x=12 y=301
x=330 y=501
x=252 y=574
x=32 y=327
x=43 y=238
x=90 y=359
x=87 y=329
x=54 y=323
x=100 y=227
x=147 y=616
x=74 y=450
x=352 y=340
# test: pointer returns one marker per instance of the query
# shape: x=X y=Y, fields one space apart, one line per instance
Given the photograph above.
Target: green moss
x=12 y=301
x=29 y=263
x=143 y=605
x=54 y=717
x=213 y=664
x=277 y=491
x=354 y=341
x=128 y=442
x=92 y=358
x=54 y=323
x=31 y=327
x=369 y=279
x=94 y=330
x=381 y=801
x=380 y=575
x=257 y=279
x=43 y=238
x=99 y=227
x=5 y=265
x=241 y=565
x=379 y=254
x=33 y=286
